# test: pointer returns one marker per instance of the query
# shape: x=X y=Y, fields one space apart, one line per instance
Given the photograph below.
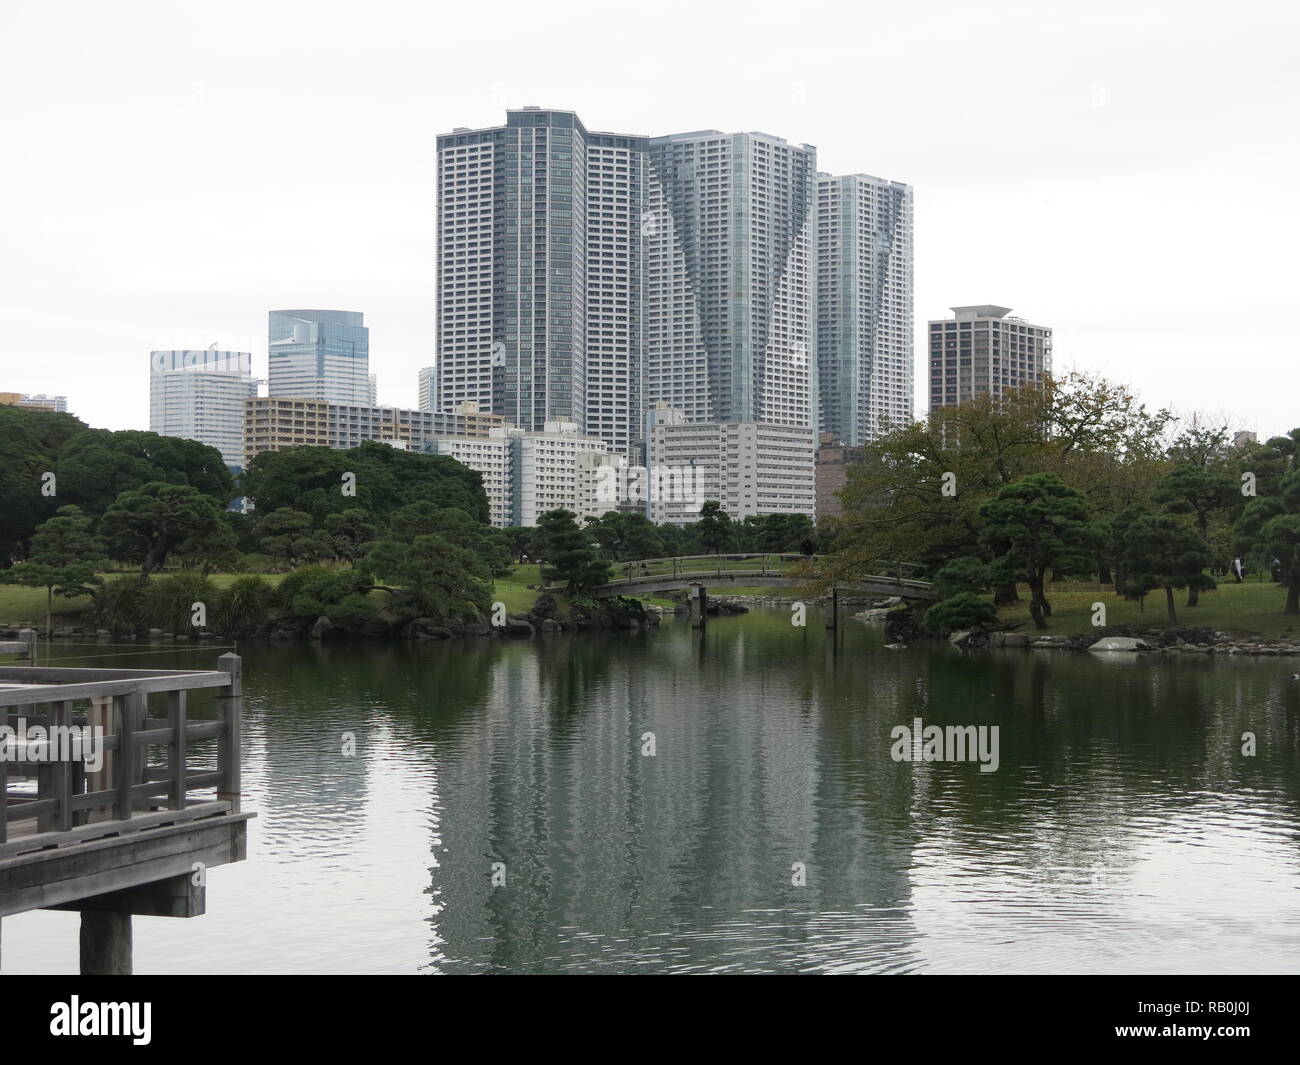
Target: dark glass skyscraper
x=538 y=273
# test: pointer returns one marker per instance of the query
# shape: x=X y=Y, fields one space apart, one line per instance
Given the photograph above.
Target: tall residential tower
x=538 y=273
x=589 y=276
x=729 y=277
x=864 y=305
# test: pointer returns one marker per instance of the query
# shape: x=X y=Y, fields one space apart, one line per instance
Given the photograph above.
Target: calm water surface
x=1123 y=832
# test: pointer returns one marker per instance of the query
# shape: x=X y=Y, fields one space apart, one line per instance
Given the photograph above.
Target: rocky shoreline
x=1170 y=641
x=901 y=628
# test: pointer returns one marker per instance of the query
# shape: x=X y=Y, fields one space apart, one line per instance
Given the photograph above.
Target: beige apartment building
x=273 y=423
x=983 y=351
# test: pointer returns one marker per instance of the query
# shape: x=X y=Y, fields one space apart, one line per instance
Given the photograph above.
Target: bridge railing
x=688 y=566
x=52 y=719
x=733 y=565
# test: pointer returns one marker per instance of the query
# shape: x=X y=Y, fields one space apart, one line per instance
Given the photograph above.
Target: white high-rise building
x=864 y=305
x=751 y=468
x=729 y=309
x=428 y=388
x=199 y=395
x=618 y=176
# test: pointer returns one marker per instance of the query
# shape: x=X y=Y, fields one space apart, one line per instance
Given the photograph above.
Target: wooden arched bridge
x=647 y=576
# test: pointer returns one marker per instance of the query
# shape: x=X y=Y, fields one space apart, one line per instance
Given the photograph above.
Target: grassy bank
x=20 y=604
x=514 y=590
x=1251 y=607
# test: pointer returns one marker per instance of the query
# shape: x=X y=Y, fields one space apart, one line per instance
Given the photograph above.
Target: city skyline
x=589 y=275
x=1128 y=135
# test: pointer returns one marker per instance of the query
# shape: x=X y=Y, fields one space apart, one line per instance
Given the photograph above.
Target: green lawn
x=221 y=580
x=1251 y=607
x=20 y=604
x=514 y=590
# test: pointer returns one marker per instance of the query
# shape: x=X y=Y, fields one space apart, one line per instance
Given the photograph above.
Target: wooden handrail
x=66 y=795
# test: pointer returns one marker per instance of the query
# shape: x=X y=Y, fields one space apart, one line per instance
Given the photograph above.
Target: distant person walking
x=1236 y=569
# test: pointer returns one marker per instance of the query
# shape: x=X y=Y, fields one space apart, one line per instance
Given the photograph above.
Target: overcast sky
x=1125 y=172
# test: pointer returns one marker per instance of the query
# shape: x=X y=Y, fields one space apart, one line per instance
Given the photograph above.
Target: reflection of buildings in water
x=614 y=857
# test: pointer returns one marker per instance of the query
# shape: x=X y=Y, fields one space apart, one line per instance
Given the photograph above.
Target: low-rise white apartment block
x=525 y=474
x=751 y=468
x=546 y=469
x=607 y=481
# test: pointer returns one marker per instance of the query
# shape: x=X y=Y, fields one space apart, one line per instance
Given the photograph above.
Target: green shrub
x=119 y=606
x=351 y=609
x=338 y=594
x=295 y=581
x=169 y=601
x=965 y=610
x=243 y=604
x=964 y=574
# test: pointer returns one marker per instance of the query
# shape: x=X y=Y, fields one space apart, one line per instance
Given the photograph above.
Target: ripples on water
x=1123 y=832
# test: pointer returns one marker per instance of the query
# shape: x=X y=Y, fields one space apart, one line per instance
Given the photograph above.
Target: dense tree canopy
x=96 y=465
x=1037 y=523
x=312 y=480
x=1162 y=551
x=568 y=553
x=430 y=576
x=30 y=441
x=63 y=559
x=146 y=524
x=917 y=495
x=626 y=537
x=1270 y=531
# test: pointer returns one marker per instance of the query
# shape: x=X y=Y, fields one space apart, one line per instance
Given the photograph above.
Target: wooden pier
x=136 y=834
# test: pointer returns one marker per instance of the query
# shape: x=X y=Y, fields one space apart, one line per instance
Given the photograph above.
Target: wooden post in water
x=230 y=708
x=834 y=621
x=105 y=943
x=699 y=605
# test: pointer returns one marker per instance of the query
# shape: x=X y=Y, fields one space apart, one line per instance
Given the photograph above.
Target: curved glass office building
x=319 y=355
